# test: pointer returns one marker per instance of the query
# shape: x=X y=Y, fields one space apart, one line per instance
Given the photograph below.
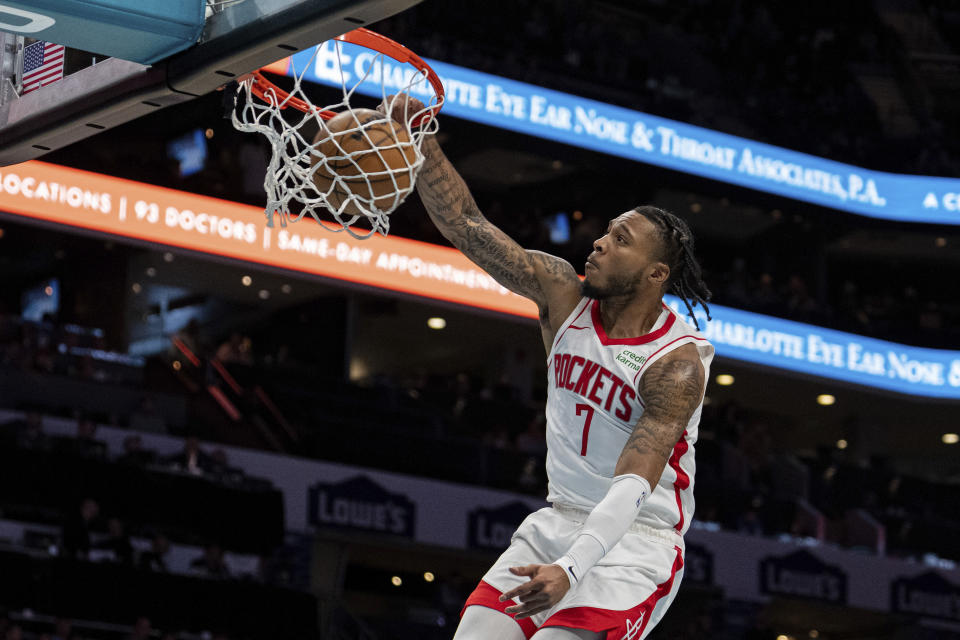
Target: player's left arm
x=671 y=389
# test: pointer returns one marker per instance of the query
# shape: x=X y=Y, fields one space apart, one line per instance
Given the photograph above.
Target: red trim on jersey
x=650 y=357
x=613 y=622
x=486 y=595
x=683 y=480
x=649 y=337
x=557 y=341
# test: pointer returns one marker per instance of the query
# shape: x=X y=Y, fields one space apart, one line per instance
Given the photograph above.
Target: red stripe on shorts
x=629 y=623
x=487 y=595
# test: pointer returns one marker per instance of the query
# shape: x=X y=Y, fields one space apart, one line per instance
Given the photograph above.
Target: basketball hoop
x=363 y=180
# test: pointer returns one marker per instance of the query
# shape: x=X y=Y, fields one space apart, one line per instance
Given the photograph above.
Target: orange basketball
x=372 y=155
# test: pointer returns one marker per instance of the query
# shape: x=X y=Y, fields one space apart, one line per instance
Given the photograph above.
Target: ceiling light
x=950 y=438
x=177 y=365
x=151 y=271
x=841 y=444
x=286 y=288
x=246 y=280
x=136 y=287
x=263 y=294
x=825 y=399
x=168 y=257
x=396 y=581
x=208 y=134
x=941 y=242
x=48 y=290
x=436 y=323
x=814 y=633
x=428 y=576
x=724 y=379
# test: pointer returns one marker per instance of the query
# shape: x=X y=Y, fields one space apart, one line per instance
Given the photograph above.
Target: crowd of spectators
x=28 y=433
x=89 y=533
x=785 y=74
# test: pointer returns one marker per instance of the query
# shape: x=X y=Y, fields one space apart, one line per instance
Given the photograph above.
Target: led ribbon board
x=586 y=123
x=160 y=216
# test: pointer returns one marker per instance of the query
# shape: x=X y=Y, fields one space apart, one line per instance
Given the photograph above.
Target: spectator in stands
x=76 y=530
x=192 y=459
x=212 y=563
x=220 y=467
x=533 y=440
x=134 y=453
x=118 y=542
x=236 y=350
x=142 y=629
x=29 y=431
x=147 y=418
x=155 y=558
x=86 y=443
x=530 y=480
x=518 y=374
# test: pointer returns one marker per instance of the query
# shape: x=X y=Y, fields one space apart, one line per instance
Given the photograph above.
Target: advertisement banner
x=581 y=122
x=698 y=565
x=161 y=216
x=492 y=528
x=802 y=575
x=929 y=595
x=362 y=505
x=828 y=353
x=199 y=223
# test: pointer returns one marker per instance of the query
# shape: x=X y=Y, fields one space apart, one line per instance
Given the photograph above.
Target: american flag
x=42 y=64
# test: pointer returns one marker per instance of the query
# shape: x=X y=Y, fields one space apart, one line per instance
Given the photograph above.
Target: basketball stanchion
x=356 y=164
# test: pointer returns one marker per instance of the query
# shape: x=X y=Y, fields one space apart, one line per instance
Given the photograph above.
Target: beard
x=617 y=286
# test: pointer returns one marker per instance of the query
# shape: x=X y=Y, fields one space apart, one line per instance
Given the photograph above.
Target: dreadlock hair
x=686 y=275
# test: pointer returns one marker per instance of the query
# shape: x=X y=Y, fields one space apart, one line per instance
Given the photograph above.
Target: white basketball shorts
x=624 y=596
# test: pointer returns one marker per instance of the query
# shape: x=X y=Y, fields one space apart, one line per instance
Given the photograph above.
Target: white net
x=358 y=166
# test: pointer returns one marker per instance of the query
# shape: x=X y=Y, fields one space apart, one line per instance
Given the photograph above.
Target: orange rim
x=267 y=91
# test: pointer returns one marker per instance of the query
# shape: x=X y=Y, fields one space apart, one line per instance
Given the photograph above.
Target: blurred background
x=201 y=447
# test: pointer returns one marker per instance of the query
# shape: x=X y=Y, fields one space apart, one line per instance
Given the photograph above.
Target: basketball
x=371 y=153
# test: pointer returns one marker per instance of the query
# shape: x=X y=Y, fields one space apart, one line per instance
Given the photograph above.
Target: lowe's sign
x=581 y=122
x=828 y=353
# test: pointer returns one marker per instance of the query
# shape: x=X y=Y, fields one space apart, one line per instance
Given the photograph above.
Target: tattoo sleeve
x=671 y=390
x=453 y=210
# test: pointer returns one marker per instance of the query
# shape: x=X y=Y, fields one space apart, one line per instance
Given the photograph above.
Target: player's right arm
x=549 y=281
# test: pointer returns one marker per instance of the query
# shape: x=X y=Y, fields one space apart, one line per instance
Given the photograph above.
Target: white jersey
x=593 y=405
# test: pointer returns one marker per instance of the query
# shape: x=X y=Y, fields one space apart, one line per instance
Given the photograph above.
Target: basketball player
x=626 y=379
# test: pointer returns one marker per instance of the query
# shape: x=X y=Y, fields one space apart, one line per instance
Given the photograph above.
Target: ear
x=659 y=273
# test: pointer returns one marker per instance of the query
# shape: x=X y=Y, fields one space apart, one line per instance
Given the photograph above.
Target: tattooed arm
x=671 y=390
x=549 y=281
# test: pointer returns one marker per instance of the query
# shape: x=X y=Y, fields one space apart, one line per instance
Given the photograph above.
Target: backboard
x=239 y=36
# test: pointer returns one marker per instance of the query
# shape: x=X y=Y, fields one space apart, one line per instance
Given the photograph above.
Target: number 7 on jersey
x=581 y=408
